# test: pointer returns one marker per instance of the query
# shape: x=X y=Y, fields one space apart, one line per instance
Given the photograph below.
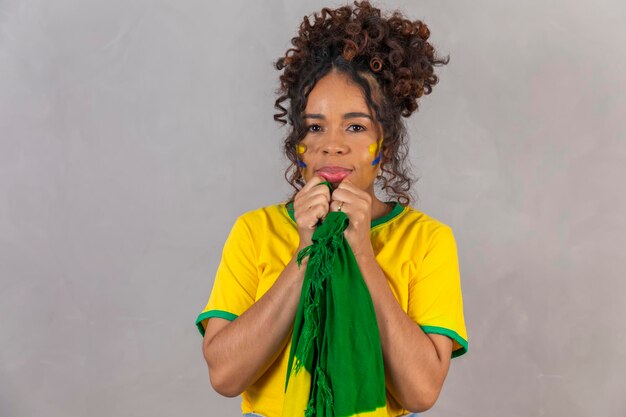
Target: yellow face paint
x=300 y=150
x=375 y=147
x=375 y=151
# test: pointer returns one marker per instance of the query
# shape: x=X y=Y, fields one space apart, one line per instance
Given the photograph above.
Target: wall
x=132 y=133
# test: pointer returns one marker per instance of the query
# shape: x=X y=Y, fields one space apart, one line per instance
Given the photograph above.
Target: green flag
x=335 y=363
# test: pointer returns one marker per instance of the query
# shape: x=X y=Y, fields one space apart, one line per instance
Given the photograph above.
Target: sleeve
x=236 y=279
x=435 y=299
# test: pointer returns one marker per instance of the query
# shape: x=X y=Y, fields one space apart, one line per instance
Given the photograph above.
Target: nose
x=334 y=144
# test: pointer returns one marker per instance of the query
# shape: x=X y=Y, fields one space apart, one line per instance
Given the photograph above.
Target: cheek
x=300 y=151
x=373 y=149
x=375 y=152
x=306 y=151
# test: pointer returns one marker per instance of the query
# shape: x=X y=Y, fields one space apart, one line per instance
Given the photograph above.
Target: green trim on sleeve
x=452 y=335
x=213 y=313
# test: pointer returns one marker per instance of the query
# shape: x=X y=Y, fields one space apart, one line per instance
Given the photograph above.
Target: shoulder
x=275 y=216
x=413 y=221
x=266 y=232
x=411 y=233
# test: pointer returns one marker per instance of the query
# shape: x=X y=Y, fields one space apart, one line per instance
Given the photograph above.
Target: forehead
x=336 y=92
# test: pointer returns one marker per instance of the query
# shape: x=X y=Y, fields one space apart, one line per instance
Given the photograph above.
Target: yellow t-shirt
x=416 y=252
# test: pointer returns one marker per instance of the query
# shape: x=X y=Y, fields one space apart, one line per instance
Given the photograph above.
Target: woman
x=349 y=79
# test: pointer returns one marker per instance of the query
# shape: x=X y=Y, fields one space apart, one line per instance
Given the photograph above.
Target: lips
x=333 y=174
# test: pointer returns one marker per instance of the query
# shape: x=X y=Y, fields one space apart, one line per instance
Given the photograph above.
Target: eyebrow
x=350 y=115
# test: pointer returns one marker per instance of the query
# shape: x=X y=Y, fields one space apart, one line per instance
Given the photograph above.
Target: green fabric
x=336 y=337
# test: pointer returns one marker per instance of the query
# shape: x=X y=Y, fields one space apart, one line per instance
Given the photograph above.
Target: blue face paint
x=301 y=164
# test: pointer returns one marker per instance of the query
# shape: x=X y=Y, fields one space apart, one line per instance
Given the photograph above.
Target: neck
x=379 y=209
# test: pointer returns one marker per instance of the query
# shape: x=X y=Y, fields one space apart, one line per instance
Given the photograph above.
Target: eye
x=314 y=128
x=356 y=128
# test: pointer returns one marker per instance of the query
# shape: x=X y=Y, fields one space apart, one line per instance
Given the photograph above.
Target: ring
x=340 y=205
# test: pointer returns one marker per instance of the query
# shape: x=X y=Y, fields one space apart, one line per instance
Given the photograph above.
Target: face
x=343 y=140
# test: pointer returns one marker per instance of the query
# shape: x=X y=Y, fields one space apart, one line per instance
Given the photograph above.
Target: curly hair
x=388 y=57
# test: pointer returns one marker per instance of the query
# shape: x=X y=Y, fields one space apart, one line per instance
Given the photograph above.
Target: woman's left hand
x=357 y=204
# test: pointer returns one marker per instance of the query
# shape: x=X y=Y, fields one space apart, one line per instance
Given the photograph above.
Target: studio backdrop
x=133 y=133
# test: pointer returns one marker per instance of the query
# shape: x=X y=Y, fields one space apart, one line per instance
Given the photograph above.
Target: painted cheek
x=375 y=150
x=300 y=150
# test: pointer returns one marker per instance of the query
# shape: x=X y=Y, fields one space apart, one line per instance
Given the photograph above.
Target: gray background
x=134 y=132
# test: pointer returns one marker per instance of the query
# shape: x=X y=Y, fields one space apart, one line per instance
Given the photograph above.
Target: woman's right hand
x=310 y=205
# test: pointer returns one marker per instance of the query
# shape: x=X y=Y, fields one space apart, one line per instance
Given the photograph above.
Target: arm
x=239 y=352
x=416 y=364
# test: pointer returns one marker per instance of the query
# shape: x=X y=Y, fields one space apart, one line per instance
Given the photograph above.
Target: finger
x=314 y=187
x=338 y=205
x=320 y=189
x=321 y=211
x=352 y=193
x=343 y=195
x=315 y=180
x=312 y=214
x=307 y=198
x=313 y=199
x=347 y=185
